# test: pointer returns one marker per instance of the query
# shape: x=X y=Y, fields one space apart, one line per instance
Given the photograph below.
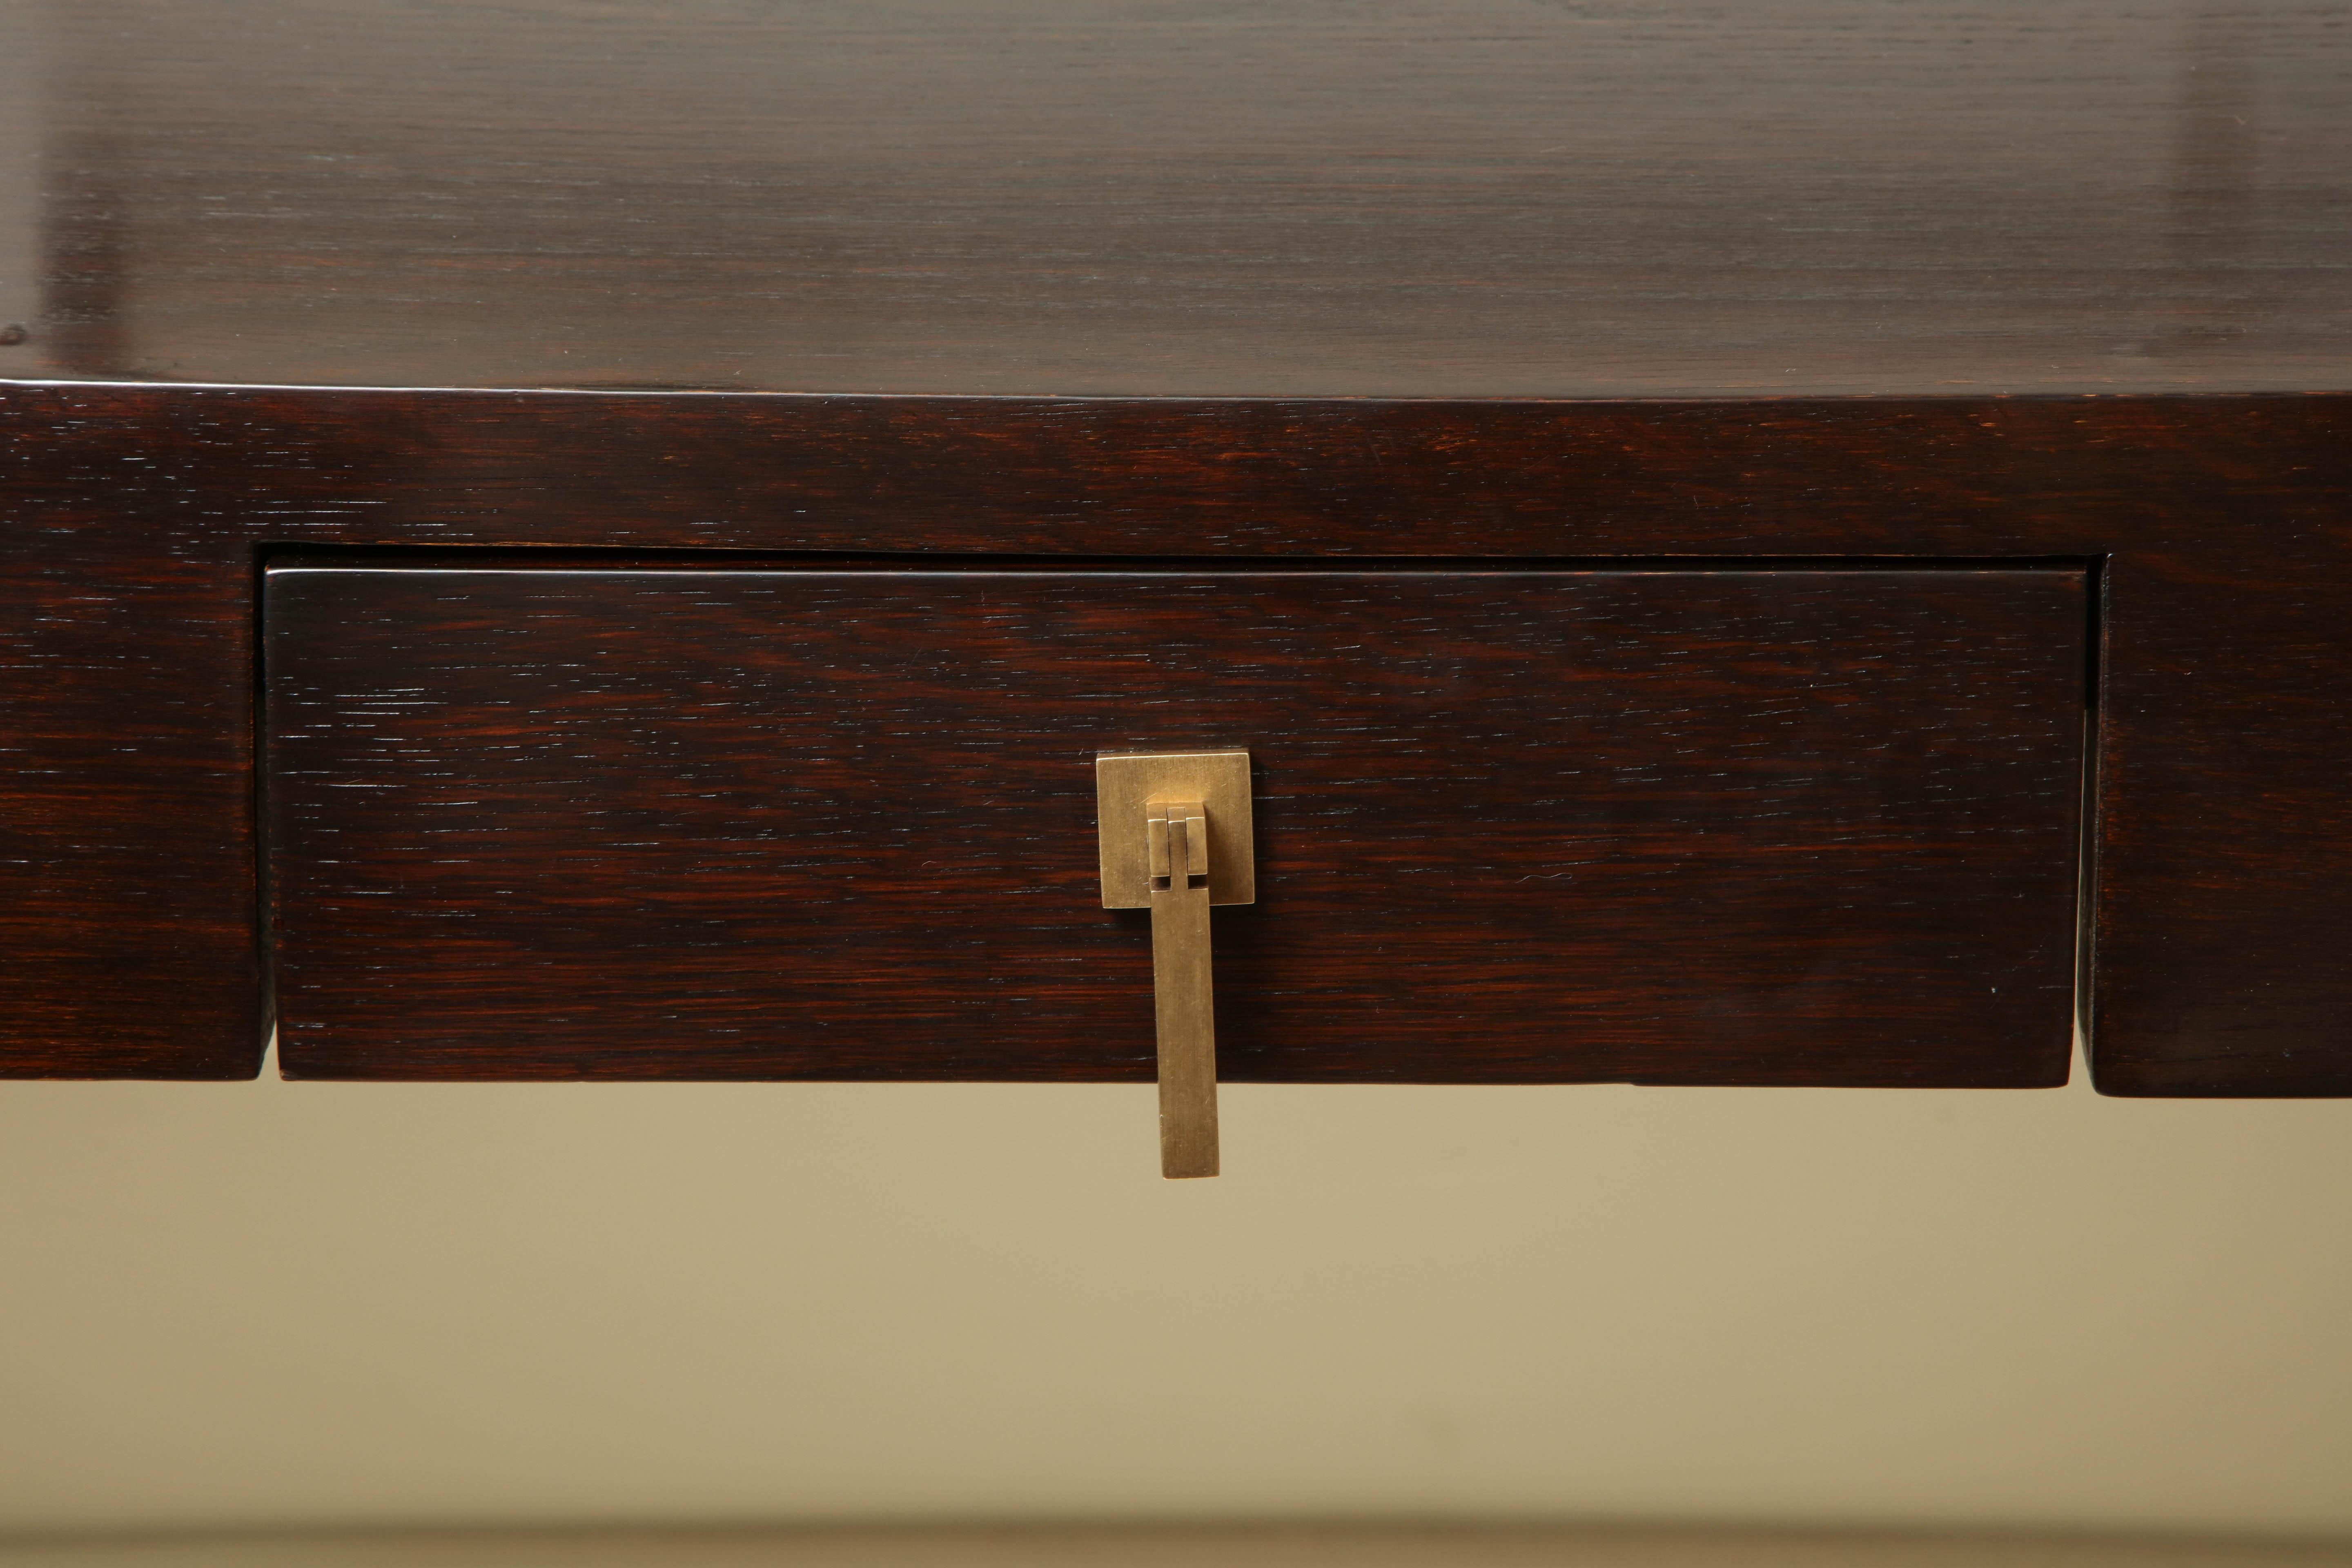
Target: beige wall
x=256 y=1303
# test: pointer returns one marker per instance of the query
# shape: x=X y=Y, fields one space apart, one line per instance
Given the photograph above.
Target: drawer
x=1687 y=826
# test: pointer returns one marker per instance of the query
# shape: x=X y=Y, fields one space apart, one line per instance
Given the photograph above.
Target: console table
x=1804 y=545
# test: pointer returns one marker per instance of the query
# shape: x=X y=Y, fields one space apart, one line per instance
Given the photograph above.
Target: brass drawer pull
x=1175 y=838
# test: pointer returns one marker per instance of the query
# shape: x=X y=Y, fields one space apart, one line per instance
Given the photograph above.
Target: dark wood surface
x=127 y=940
x=2224 y=526
x=1692 y=827
x=1339 y=198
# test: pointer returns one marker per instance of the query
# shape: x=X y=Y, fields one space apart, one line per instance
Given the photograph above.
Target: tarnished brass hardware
x=1175 y=837
x=1184 y=1000
x=1125 y=788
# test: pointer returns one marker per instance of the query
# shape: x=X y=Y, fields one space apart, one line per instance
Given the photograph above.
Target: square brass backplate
x=1124 y=785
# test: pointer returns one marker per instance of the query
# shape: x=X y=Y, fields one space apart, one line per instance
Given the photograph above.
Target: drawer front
x=1695 y=827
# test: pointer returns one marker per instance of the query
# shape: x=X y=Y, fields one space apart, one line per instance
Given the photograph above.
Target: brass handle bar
x=1183 y=998
x=1176 y=837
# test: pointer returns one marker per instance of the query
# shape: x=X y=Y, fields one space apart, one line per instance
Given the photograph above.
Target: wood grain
x=1263 y=198
x=1664 y=827
x=2224 y=527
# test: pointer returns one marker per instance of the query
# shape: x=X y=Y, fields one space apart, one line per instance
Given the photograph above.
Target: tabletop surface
x=1317 y=197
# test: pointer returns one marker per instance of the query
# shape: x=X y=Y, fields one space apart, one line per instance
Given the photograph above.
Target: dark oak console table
x=1782 y=546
